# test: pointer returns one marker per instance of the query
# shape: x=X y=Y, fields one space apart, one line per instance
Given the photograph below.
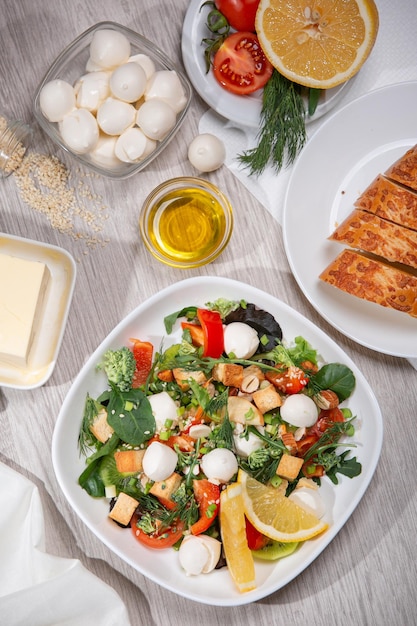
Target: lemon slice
x=233 y=531
x=317 y=44
x=274 y=515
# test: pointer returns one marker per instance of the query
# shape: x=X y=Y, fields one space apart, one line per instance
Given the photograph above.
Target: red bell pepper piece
x=207 y=496
x=212 y=325
x=143 y=353
x=196 y=332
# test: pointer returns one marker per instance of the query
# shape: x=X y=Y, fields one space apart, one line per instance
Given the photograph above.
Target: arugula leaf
x=129 y=413
x=169 y=320
x=335 y=376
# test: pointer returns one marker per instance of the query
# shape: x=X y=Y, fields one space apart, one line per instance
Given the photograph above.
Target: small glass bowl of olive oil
x=186 y=222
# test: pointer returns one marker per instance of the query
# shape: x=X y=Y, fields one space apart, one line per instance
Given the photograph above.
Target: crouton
x=129 y=461
x=242 y=411
x=182 y=377
x=100 y=427
x=230 y=374
x=267 y=399
x=164 y=489
x=123 y=509
x=289 y=467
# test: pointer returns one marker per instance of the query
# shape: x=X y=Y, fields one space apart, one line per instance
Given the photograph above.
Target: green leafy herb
x=90 y=479
x=130 y=414
x=169 y=320
x=336 y=377
x=282 y=130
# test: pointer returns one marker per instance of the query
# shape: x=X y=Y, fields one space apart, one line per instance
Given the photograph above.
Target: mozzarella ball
x=133 y=145
x=56 y=100
x=240 y=339
x=104 y=152
x=156 y=118
x=299 y=410
x=246 y=444
x=220 y=465
x=79 y=130
x=163 y=408
x=166 y=85
x=92 y=89
x=199 y=554
x=159 y=461
x=109 y=48
x=308 y=499
x=128 y=82
x=145 y=62
x=206 y=152
x=115 y=116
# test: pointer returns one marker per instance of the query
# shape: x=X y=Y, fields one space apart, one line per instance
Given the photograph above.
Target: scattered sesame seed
x=46 y=185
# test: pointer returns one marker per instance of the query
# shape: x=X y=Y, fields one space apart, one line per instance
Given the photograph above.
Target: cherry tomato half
x=240 y=65
x=143 y=353
x=167 y=538
x=239 y=13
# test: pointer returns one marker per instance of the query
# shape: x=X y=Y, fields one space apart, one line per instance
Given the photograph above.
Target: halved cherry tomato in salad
x=304 y=444
x=143 y=353
x=256 y=540
x=328 y=417
x=212 y=326
x=165 y=539
x=240 y=66
x=239 y=13
x=183 y=442
x=207 y=496
x=293 y=380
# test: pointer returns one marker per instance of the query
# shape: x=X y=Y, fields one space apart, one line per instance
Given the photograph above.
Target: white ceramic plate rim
x=48 y=340
x=162 y=566
x=338 y=162
x=242 y=110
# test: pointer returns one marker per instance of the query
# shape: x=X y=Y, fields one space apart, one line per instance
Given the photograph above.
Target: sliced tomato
x=328 y=417
x=207 y=496
x=184 y=442
x=167 y=538
x=304 y=444
x=293 y=380
x=239 y=13
x=256 y=540
x=143 y=353
x=196 y=332
x=212 y=325
x=312 y=470
x=240 y=66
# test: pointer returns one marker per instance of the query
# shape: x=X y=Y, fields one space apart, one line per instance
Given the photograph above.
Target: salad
x=177 y=426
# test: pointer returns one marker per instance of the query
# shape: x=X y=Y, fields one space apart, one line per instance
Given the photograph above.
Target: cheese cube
x=23 y=285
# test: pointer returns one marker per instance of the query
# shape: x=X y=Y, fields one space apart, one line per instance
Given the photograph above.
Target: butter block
x=23 y=285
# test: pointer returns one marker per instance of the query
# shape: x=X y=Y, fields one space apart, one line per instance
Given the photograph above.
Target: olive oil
x=187 y=225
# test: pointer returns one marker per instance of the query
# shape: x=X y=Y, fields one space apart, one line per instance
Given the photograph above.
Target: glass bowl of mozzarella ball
x=112 y=100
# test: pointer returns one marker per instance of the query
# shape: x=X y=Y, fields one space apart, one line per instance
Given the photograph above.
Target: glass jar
x=15 y=138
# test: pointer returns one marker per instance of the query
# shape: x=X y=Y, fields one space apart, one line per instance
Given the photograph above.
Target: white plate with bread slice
x=339 y=163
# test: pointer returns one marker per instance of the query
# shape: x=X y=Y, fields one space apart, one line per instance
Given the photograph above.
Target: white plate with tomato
x=162 y=566
x=243 y=110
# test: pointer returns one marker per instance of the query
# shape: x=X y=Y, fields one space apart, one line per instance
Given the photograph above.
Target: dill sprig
x=282 y=127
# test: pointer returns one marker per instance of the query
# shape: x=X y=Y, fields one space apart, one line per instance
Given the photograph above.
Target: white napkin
x=41 y=589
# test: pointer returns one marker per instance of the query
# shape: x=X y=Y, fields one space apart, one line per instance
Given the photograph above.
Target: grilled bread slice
x=373 y=280
x=365 y=231
x=404 y=170
x=391 y=201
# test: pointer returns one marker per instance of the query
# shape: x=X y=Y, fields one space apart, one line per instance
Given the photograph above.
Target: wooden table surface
x=368 y=574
